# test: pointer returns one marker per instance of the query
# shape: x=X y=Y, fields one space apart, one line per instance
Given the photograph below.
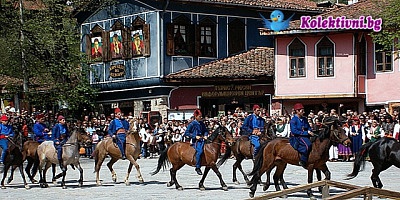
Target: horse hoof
x=236 y=182
x=27 y=187
x=3 y=187
x=34 y=181
x=202 y=188
x=180 y=188
x=313 y=198
x=225 y=188
x=169 y=184
x=9 y=181
x=127 y=183
x=54 y=182
x=265 y=188
x=251 y=194
x=80 y=184
x=64 y=187
x=141 y=181
x=98 y=183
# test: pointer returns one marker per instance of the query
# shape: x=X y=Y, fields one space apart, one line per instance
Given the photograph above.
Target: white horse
x=70 y=155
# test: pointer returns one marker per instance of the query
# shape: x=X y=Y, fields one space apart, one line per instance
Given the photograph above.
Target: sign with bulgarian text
x=232 y=91
x=307 y=22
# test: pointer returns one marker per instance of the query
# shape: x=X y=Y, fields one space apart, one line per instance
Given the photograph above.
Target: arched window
x=325 y=49
x=207 y=38
x=297 y=59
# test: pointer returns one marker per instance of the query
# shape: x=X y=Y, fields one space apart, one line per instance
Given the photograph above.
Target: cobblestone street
x=155 y=186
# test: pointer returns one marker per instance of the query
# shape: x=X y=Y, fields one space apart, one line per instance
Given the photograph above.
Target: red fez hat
x=117 y=110
x=197 y=112
x=4 y=118
x=355 y=118
x=298 y=106
x=256 y=106
x=39 y=116
x=60 y=117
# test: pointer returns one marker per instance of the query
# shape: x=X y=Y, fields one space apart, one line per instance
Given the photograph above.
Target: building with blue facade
x=133 y=45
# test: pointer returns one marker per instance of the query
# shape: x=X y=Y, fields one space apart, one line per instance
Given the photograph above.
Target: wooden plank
x=349 y=194
x=342 y=185
x=291 y=190
x=384 y=193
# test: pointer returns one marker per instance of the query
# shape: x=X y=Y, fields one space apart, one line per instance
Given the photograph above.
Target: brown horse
x=48 y=155
x=14 y=158
x=108 y=147
x=243 y=149
x=278 y=153
x=181 y=153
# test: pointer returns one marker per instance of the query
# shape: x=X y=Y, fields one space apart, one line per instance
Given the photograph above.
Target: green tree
x=54 y=65
x=390 y=33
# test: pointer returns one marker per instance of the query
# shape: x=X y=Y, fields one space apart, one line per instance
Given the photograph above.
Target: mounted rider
x=254 y=124
x=6 y=131
x=198 y=132
x=117 y=130
x=60 y=135
x=300 y=134
x=40 y=129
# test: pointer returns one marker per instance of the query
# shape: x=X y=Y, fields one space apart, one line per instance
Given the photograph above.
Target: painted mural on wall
x=116 y=44
x=137 y=42
x=97 y=48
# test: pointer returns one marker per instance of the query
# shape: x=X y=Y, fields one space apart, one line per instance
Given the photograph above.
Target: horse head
x=335 y=132
x=221 y=134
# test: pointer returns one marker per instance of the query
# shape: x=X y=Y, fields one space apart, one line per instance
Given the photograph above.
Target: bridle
x=336 y=135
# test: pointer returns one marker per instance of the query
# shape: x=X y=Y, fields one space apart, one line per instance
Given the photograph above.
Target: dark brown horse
x=382 y=153
x=243 y=149
x=108 y=147
x=14 y=158
x=278 y=153
x=181 y=153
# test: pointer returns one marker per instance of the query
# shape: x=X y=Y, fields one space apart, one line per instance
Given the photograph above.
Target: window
x=207 y=38
x=180 y=37
x=139 y=38
x=325 y=63
x=236 y=36
x=383 y=59
x=362 y=56
x=96 y=47
x=296 y=56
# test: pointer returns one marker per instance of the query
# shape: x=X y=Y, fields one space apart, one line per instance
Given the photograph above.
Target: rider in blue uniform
x=40 y=130
x=198 y=132
x=117 y=130
x=300 y=134
x=254 y=124
x=6 y=131
x=60 y=136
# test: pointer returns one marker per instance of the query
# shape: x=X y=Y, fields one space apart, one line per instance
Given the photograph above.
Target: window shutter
x=170 y=40
x=197 y=43
x=146 y=34
x=106 y=46
x=191 y=39
x=126 y=43
x=88 y=47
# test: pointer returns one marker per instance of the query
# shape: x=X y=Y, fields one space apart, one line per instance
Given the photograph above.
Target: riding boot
x=198 y=170
x=123 y=153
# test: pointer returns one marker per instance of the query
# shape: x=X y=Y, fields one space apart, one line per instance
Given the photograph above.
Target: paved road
x=155 y=186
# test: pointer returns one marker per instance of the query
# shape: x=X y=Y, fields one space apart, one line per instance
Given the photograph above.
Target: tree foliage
x=390 y=33
x=54 y=65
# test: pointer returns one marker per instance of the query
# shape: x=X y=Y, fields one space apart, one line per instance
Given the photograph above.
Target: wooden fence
x=353 y=191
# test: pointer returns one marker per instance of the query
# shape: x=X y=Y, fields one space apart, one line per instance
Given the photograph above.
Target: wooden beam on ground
x=291 y=190
x=342 y=185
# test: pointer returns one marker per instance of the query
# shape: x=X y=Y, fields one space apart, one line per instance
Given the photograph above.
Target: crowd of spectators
x=368 y=126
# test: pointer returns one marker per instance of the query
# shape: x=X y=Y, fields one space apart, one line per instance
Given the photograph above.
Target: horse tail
x=162 y=161
x=228 y=152
x=259 y=159
x=359 y=161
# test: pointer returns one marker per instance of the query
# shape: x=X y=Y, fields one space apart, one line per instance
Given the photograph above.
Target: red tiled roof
x=353 y=11
x=253 y=63
x=267 y=4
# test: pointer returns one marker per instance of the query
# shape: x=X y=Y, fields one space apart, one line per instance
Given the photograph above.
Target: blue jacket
x=196 y=128
x=299 y=126
x=59 y=130
x=253 y=121
x=116 y=124
x=6 y=130
x=38 y=130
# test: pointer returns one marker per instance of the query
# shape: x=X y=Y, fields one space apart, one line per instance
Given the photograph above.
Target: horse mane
x=214 y=134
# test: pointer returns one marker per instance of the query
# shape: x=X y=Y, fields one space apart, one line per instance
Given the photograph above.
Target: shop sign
x=232 y=91
x=117 y=71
